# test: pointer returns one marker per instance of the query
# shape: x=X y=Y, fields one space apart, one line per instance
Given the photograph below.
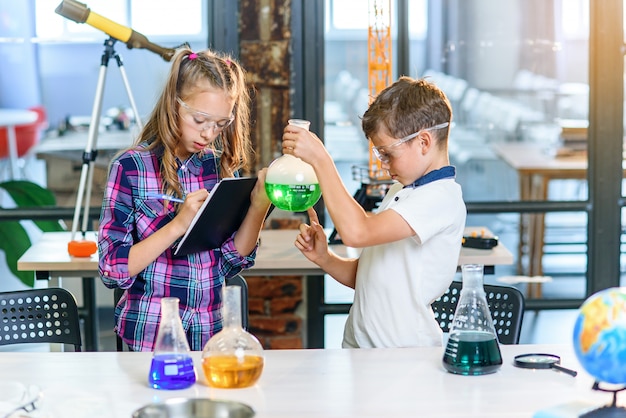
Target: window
x=575 y=19
x=347 y=15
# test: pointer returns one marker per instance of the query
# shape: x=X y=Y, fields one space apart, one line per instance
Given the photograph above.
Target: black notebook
x=220 y=215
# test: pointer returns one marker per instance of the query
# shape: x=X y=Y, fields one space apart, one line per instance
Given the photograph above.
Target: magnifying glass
x=542 y=361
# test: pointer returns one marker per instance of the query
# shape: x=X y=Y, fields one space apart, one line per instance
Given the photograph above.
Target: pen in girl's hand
x=162 y=196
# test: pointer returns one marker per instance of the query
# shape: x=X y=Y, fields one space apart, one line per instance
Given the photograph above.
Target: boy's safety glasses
x=382 y=153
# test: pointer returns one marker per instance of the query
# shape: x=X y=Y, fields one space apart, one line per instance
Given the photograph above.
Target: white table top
x=277 y=255
x=77 y=141
x=13 y=117
x=409 y=382
x=534 y=159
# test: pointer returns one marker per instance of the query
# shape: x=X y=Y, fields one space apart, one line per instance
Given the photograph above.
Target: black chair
x=237 y=280
x=39 y=316
x=506 y=304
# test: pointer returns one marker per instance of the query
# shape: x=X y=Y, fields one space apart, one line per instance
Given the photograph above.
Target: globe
x=600 y=335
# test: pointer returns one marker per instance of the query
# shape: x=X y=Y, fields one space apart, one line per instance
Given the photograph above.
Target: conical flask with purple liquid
x=172 y=365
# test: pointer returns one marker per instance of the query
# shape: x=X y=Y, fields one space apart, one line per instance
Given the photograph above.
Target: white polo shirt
x=397 y=282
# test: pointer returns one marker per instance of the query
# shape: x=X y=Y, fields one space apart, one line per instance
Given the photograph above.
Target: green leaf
x=28 y=194
x=14 y=241
x=50 y=226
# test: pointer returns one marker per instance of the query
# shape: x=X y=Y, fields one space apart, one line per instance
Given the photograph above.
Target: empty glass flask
x=172 y=365
x=232 y=358
x=472 y=347
x=290 y=183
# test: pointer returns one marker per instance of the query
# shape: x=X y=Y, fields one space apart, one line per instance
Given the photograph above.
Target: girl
x=197 y=133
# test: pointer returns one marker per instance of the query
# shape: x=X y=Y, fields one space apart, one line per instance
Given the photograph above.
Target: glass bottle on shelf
x=232 y=358
x=290 y=183
x=472 y=347
x=172 y=365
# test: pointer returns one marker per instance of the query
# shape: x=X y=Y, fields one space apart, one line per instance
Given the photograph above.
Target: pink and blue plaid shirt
x=127 y=217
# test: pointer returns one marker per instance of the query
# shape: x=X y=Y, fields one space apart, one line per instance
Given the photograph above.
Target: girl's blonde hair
x=192 y=72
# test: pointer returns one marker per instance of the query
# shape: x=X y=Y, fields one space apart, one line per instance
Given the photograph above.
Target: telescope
x=80 y=13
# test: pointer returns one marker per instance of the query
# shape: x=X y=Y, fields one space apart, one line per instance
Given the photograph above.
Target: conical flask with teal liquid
x=472 y=348
x=290 y=183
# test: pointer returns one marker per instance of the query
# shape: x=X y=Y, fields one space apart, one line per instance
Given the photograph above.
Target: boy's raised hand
x=311 y=240
x=303 y=144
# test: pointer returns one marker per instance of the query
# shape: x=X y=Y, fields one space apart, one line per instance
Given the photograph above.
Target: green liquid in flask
x=293 y=197
x=472 y=353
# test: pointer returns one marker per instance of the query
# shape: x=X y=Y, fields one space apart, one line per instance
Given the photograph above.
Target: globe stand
x=609 y=411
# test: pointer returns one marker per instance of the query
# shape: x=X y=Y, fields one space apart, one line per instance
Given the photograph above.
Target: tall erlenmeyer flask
x=172 y=365
x=232 y=358
x=472 y=347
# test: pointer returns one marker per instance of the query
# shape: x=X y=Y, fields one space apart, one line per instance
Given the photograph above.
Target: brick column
x=275 y=303
x=265 y=52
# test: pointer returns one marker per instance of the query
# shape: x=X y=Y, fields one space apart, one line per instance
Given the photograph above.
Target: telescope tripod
x=84 y=248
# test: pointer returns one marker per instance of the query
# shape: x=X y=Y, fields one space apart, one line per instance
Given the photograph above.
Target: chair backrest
x=506 y=304
x=39 y=316
x=239 y=280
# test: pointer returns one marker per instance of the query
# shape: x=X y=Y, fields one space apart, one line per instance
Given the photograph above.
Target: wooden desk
x=277 y=256
x=10 y=118
x=536 y=168
x=399 y=383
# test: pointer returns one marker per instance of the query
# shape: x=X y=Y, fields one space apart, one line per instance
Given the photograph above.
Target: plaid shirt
x=127 y=217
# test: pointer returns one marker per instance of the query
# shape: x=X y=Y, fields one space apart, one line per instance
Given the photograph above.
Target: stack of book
x=574 y=134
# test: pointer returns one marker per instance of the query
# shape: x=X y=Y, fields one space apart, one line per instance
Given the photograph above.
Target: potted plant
x=14 y=238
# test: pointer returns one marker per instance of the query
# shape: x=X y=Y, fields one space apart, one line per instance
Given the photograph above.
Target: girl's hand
x=258 y=198
x=312 y=240
x=189 y=208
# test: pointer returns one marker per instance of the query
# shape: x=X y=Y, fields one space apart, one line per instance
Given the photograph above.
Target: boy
x=411 y=244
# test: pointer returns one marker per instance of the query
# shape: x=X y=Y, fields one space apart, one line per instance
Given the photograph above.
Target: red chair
x=27 y=136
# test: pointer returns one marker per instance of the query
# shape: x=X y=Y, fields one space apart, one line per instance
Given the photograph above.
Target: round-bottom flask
x=472 y=347
x=290 y=183
x=172 y=365
x=232 y=358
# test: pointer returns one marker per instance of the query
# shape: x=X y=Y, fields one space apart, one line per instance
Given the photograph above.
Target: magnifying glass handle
x=571 y=372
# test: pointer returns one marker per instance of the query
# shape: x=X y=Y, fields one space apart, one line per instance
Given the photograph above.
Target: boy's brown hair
x=407 y=106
